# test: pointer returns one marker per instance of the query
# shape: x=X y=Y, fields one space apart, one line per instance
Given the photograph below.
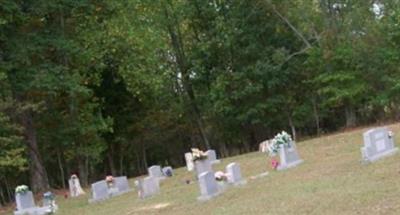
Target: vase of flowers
x=21 y=189
x=198 y=155
x=280 y=140
x=110 y=181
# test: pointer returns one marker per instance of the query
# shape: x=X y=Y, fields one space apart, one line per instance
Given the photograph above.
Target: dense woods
x=111 y=87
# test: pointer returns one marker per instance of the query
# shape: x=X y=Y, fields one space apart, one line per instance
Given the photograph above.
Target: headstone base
x=239 y=183
x=33 y=211
x=370 y=159
x=203 y=198
x=215 y=162
x=290 y=165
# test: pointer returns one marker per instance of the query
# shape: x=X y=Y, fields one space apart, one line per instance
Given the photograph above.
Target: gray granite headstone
x=24 y=201
x=156 y=172
x=234 y=174
x=122 y=184
x=202 y=166
x=100 y=191
x=167 y=171
x=26 y=205
x=212 y=156
x=148 y=187
x=189 y=161
x=377 y=144
x=289 y=157
x=208 y=186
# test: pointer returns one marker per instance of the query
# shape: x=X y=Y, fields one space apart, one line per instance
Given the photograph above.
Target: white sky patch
x=378 y=10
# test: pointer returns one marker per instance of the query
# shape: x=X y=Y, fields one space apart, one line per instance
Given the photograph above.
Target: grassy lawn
x=330 y=181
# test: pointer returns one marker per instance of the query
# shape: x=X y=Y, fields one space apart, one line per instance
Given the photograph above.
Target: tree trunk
x=8 y=190
x=292 y=127
x=177 y=45
x=121 y=164
x=144 y=158
x=350 y=116
x=62 y=173
x=111 y=160
x=83 y=172
x=38 y=174
x=316 y=115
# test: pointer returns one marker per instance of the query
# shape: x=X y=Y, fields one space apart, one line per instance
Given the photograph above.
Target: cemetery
x=200 y=107
x=330 y=161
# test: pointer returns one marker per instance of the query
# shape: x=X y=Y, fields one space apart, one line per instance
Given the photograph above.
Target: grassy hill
x=330 y=181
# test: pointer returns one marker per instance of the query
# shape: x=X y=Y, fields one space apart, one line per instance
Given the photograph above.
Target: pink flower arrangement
x=274 y=164
x=220 y=176
x=110 y=181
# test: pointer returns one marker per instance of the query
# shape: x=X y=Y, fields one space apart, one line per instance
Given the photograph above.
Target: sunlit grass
x=332 y=180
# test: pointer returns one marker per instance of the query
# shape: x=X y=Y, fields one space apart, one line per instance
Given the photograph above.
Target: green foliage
x=115 y=86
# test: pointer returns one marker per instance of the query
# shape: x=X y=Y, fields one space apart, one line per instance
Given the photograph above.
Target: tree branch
x=294 y=29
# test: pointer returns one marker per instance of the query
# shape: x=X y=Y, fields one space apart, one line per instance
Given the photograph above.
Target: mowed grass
x=330 y=181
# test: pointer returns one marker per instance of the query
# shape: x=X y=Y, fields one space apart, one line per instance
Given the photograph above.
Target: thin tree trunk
x=62 y=173
x=83 y=176
x=350 y=117
x=111 y=160
x=316 y=115
x=3 y=200
x=144 y=157
x=38 y=174
x=292 y=127
x=8 y=189
x=138 y=163
x=176 y=41
x=121 y=164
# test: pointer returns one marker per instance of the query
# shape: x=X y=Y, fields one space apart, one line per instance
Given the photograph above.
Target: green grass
x=330 y=181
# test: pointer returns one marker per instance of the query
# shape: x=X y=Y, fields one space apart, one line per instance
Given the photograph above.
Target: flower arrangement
x=110 y=180
x=198 y=154
x=281 y=139
x=390 y=134
x=220 y=176
x=274 y=164
x=22 y=189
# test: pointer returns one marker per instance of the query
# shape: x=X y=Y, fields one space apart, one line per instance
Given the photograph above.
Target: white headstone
x=99 y=191
x=234 y=174
x=378 y=143
x=189 y=161
x=148 y=187
x=202 y=166
x=155 y=171
x=122 y=184
x=75 y=188
x=263 y=146
x=289 y=157
x=208 y=186
x=212 y=156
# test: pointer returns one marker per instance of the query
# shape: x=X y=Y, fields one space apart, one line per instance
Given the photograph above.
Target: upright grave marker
x=156 y=172
x=212 y=156
x=26 y=203
x=189 y=161
x=122 y=184
x=99 y=191
x=75 y=188
x=283 y=145
x=208 y=186
x=234 y=174
x=288 y=156
x=378 y=143
x=148 y=187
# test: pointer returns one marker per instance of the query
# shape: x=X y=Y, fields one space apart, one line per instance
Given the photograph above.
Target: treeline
x=112 y=87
